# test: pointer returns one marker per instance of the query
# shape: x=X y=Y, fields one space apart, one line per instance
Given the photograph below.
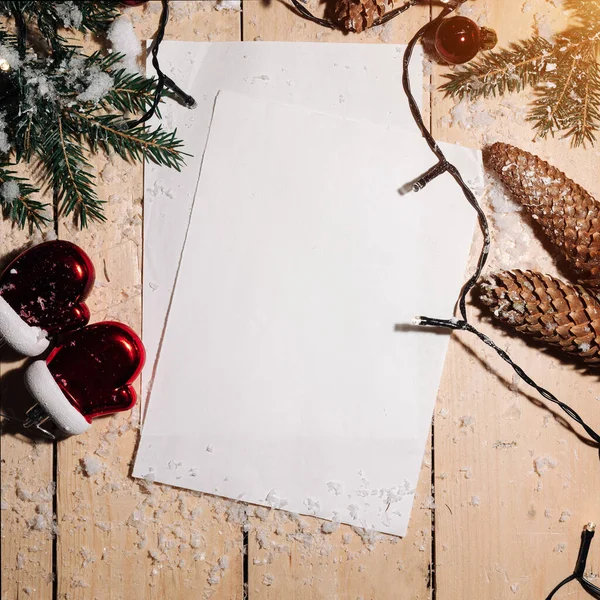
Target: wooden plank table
x=486 y=523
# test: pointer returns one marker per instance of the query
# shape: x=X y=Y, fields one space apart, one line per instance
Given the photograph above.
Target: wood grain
x=26 y=466
x=513 y=484
x=295 y=559
x=121 y=538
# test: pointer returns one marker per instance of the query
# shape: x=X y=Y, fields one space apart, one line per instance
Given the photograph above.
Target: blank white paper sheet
x=284 y=378
x=358 y=81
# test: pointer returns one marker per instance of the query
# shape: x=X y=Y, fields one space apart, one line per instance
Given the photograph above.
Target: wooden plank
x=25 y=470
x=119 y=538
x=292 y=557
x=513 y=485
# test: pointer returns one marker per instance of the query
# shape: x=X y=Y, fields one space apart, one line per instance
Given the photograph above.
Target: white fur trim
x=23 y=338
x=50 y=397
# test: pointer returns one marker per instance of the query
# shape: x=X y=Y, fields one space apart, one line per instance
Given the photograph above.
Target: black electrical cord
x=579 y=573
x=163 y=81
x=444 y=166
x=463 y=324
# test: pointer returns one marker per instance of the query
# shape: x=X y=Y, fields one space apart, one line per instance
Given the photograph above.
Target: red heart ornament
x=88 y=375
x=42 y=292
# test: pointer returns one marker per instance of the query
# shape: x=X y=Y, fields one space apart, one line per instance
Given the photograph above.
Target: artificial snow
x=228 y=5
x=467 y=420
x=11 y=56
x=69 y=14
x=5 y=144
x=565 y=516
x=330 y=527
x=91 y=466
x=543 y=464
x=125 y=41
x=99 y=84
x=39 y=88
x=10 y=191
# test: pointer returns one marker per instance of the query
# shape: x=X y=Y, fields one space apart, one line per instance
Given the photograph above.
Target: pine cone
x=568 y=215
x=552 y=311
x=358 y=15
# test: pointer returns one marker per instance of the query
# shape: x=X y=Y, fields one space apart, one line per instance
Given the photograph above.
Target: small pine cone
x=555 y=312
x=568 y=215
x=358 y=15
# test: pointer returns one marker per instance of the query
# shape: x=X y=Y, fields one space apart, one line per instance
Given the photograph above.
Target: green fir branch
x=67 y=166
x=132 y=93
x=564 y=75
x=23 y=209
x=585 y=12
x=91 y=17
x=58 y=104
x=111 y=132
x=526 y=63
x=97 y=17
x=584 y=123
x=568 y=98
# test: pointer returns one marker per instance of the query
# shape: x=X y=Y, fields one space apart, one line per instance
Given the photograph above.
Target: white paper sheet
x=282 y=379
x=359 y=81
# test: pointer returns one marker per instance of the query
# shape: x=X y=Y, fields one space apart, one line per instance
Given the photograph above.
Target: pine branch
x=569 y=98
x=97 y=17
x=132 y=93
x=56 y=102
x=83 y=15
x=20 y=208
x=585 y=122
x=586 y=12
x=564 y=74
x=68 y=168
x=525 y=63
x=111 y=132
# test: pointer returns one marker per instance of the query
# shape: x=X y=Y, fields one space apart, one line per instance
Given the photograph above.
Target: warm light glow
x=4 y=66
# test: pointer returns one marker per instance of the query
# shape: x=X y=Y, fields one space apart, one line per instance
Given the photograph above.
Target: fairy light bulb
x=4 y=65
x=458 y=40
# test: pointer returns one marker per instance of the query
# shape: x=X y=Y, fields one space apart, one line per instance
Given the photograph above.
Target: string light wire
x=579 y=573
x=163 y=81
x=443 y=166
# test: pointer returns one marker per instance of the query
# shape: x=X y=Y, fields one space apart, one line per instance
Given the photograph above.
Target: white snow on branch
x=69 y=14
x=10 y=191
x=5 y=144
x=125 y=41
x=11 y=56
x=99 y=84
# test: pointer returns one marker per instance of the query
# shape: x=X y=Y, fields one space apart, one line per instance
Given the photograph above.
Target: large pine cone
x=567 y=214
x=358 y=15
x=555 y=312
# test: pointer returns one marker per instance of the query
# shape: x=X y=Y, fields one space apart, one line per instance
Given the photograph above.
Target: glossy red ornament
x=458 y=40
x=92 y=370
x=45 y=287
x=95 y=367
